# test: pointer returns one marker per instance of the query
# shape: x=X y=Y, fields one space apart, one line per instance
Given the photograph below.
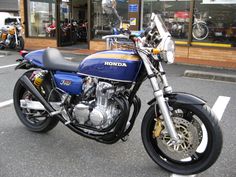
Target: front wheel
x=198 y=130
x=21 y=43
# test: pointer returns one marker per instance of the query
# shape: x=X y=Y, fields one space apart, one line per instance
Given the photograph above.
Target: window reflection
x=175 y=13
x=214 y=21
x=107 y=16
x=42 y=22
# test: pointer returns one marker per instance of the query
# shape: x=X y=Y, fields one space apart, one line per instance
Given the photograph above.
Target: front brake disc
x=189 y=140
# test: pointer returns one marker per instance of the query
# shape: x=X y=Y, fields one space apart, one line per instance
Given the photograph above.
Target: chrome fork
x=16 y=39
x=158 y=93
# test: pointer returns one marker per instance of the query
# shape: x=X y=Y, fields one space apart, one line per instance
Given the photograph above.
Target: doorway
x=73 y=23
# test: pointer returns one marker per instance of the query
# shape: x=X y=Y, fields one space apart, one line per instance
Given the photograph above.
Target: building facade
x=204 y=30
x=11 y=7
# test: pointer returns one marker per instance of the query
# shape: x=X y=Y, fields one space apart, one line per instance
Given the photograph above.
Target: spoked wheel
x=200 y=31
x=34 y=120
x=199 y=132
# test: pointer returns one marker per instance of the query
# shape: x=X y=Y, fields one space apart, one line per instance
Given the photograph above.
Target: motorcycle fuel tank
x=117 y=65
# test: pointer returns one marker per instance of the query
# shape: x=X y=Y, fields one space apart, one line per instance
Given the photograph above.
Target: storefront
x=203 y=29
x=82 y=23
x=54 y=22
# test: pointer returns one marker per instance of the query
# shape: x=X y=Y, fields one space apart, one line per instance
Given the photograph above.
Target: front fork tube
x=167 y=88
x=158 y=93
x=164 y=110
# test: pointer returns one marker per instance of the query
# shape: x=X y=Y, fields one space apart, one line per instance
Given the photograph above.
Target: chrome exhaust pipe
x=25 y=81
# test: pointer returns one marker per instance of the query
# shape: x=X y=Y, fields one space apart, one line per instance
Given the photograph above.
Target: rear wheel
x=34 y=120
x=199 y=132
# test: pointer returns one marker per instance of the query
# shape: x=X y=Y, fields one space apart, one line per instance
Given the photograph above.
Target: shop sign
x=133 y=7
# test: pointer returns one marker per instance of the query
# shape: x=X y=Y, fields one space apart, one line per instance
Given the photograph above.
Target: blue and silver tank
x=117 y=65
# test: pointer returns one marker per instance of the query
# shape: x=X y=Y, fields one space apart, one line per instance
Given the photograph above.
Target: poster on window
x=133 y=21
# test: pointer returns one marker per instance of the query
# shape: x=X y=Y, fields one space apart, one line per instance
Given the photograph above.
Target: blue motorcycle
x=94 y=99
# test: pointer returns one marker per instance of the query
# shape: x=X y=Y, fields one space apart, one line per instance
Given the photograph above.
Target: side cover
x=114 y=65
x=69 y=82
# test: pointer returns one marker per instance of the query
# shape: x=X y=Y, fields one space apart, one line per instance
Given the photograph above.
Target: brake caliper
x=158 y=128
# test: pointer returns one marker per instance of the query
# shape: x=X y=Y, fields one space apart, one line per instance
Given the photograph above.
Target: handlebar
x=119 y=36
x=156 y=40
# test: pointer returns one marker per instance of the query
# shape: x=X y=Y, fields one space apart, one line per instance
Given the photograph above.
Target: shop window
x=214 y=21
x=41 y=18
x=176 y=15
x=107 y=16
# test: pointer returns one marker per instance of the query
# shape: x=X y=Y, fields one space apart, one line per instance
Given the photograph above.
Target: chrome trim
x=36 y=105
x=105 y=78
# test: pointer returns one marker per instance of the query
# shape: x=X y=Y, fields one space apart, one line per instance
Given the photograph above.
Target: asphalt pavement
x=61 y=152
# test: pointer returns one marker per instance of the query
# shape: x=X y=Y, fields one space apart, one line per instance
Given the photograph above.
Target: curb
x=210 y=75
x=6 y=53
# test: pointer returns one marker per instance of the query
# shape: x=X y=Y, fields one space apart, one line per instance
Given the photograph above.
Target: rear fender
x=25 y=64
x=181 y=98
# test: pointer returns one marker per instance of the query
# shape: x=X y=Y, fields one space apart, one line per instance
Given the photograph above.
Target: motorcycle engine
x=101 y=111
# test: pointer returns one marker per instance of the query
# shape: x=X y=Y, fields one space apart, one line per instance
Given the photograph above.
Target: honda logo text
x=115 y=64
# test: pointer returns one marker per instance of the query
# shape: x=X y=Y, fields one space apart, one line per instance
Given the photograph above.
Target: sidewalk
x=4 y=52
x=218 y=66
x=189 y=73
x=208 y=63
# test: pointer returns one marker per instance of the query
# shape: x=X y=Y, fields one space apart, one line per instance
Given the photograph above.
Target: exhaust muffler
x=25 y=81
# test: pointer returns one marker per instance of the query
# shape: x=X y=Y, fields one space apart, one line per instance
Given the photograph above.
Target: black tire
x=45 y=125
x=21 y=43
x=194 y=165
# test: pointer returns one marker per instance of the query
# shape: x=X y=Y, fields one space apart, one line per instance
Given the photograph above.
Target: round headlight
x=169 y=50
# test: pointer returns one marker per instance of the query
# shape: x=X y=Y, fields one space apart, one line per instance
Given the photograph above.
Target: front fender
x=181 y=98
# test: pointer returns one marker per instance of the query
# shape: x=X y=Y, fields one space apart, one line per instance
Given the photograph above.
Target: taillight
x=23 y=52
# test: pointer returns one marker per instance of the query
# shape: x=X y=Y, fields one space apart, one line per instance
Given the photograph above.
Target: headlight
x=168 y=53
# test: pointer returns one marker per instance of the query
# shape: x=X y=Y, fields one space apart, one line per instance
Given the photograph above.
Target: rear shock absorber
x=38 y=77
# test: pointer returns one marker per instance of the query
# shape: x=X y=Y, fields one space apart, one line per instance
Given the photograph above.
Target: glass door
x=64 y=23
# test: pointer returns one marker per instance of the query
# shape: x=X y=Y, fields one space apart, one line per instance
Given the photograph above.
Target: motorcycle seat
x=53 y=59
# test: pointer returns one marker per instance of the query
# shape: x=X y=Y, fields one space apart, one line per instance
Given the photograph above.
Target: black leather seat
x=53 y=59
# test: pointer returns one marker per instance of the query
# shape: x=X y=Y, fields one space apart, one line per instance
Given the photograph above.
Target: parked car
x=7 y=18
